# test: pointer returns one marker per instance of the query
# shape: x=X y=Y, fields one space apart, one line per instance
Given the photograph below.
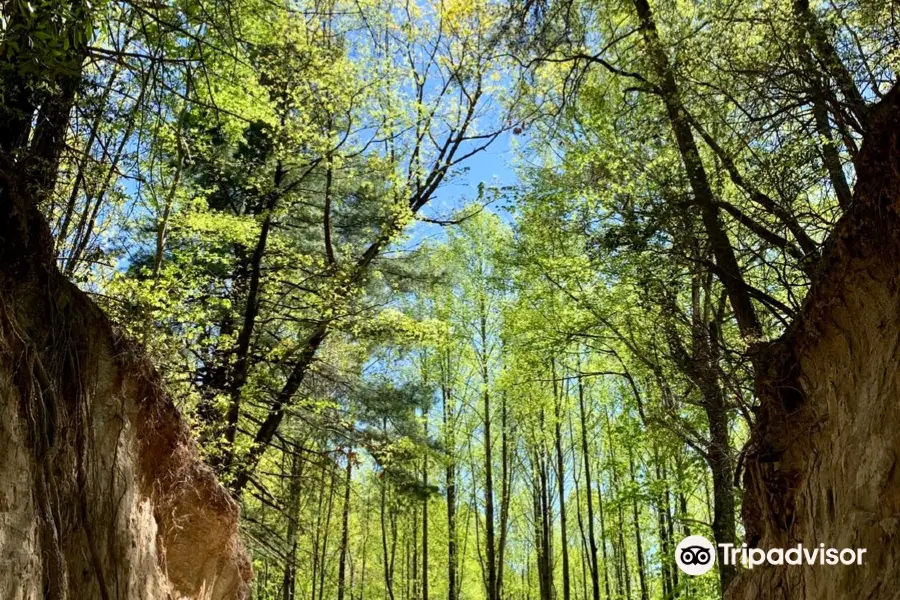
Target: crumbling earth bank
x=822 y=466
x=102 y=493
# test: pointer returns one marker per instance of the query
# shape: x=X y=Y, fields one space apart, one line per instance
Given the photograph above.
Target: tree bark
x=449 y=476
x=620 y=525
x=490 y=541
x=639 y=546
x=665 y=541
x=387 y=557
x=425 y=582
x=505 y=492
x=731 y=274
x=241 y=369
x=720 y=465
x=603 y=532
x=818 y=97
x=561 y=481
x=833 y=65
x=288 y=583
x=345 y=527
x=585 y=455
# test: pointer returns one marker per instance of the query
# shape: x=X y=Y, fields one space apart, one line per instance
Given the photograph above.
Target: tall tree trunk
x=505 y=493
x=410 y=583
x=639 y=546
x=704 y=372
x=490 y=542
x=546 y=517
x=538 y=530
x=449 y=477
x=662 y=514
x=425 y=519
x=720 y=464
x=364 y=551
x=323 y=561
x=387 y=558
x=561 y=479
x=603 y=536
x=620 y=525
x=241 y=369
x=702 y=367
x=539 y=490
x=680 y=512
x=579 y=518
x=585 y=456
x=729 y=271
x=345 y=526
x=317 y=536
x=288 y=585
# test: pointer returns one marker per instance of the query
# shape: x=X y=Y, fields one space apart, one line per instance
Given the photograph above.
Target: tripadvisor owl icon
x=695 y=555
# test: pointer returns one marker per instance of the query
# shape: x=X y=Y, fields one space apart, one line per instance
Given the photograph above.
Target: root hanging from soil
x=121 y=503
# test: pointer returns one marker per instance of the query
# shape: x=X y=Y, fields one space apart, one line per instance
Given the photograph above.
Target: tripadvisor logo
x=695 y=555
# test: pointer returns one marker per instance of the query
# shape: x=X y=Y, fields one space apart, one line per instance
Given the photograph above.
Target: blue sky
x=493 y=167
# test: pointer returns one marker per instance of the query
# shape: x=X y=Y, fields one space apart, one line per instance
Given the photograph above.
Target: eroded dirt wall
x=822 y=466
x=102 y=492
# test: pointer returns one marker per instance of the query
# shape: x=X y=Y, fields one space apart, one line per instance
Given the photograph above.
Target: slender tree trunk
x=546 y=526
x=623 y=551
x=665 y=542
x=579 y=513
x=592 y=538
x=680 y=513
x=392 y=520
x=538 y=532
x=241 y=369
x=603 y=530
x=639 y=547
x=317 y=536
x=387 y=561
x=449 y=477
x=364 y=552
x=345 y=527
x=425 y=581
x=617 y=567
x=540 y=523
x=720 y=464
x=288 y=584
x=505 y=492
x=730 y=273
x=323 y=562
x=490 y=542
x=561 y=480
x=411 y=564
